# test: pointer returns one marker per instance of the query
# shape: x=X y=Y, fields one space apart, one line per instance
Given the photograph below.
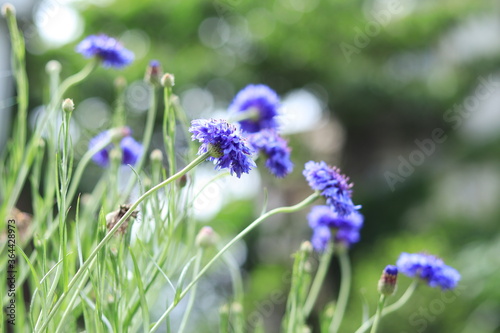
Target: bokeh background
x=365 y=86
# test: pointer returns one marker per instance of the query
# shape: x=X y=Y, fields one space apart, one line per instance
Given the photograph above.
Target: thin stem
x=33 y=144
x=318 y=279
x=111 y=232
x=378 y=315
x=146 y=139
x=242 y=234
x=192 y=298
x=345 y=286
x=391 y=308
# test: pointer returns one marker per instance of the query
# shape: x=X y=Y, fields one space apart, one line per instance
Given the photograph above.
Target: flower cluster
x=428 y=268
x=327 y=223
x=227 y=146
x=260 y=99
x=333 y=186
x=275 y=148
x=109 y=50
x=131 y=149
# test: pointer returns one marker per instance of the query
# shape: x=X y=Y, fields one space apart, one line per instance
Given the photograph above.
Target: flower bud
x=156 y=156
x=120 y=83
x=388 y=281
x=53 y=66
x=153 y=73
x=168 y=80
x=68 y=105
x=8 y=9
x=206 y=237
x=115 y=155
x=306 y=247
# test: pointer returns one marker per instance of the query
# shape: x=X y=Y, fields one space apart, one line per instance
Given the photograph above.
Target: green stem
x=146 y=140
x=33 y=144
x=345 y=286
x=253 y=225
x=192 y=298
x=111 y=232
x=318 y=279
x=380 y=307
x=391 y=308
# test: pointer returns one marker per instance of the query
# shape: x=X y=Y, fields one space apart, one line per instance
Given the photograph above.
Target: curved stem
x=391 y=308
x=318 y=279
x=378 y=315
x=242 y=234
x=345 y=286
x=192 y=297
x=111 y=232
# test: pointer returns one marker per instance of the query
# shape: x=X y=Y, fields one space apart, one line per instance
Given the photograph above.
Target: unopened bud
x=236 y=308
x=120 y=83
x=8 y=9
x=306 y=247
x=119 y=133
x=156 y=156
x=388 y=280
x=168 y=80
x=68 y=105
x=153 y=73
x=206 y=237
x=53 y=67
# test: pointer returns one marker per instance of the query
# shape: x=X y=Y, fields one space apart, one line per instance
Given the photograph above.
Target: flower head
x=429 y=268
x=131 y=149
x=224 y=141
x=333 y=186
x=327 y=223
x=263 y=101
x=109 y=50
x=275 y=148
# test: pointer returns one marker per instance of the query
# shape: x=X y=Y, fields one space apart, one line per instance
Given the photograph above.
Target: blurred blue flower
x=428 y=268
x=333 y=186
x=261 y=99
x=276 y=150
x=109 y=50
x=324 y=222
x=228 y=148
x=131 y=149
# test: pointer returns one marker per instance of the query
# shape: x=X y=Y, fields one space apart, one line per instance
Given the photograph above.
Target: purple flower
x=224 y=141
x=261 y=99
x=333 y=186
x=131 y=149
x=429 y=268
x=276 y=150
x=109 y=50
x=327 y=223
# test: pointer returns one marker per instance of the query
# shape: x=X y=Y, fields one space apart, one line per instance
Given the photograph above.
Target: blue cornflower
x=263 y=101
x=276 y=150
x=109 y=50
x=131 y=149
x=325 y=223
x=333 y=186
x=228 y=148
x=428 y=268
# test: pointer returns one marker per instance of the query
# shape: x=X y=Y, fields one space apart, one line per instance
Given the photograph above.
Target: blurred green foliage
x=395 y=90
